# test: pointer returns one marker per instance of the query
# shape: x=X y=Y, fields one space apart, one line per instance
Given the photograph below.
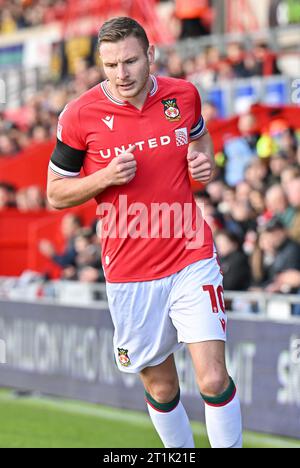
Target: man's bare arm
x=67 y=192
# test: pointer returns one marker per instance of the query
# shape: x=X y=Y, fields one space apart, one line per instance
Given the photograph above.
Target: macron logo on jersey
x=109 y=121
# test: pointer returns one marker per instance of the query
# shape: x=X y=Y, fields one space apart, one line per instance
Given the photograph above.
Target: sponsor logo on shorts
x=123 y=357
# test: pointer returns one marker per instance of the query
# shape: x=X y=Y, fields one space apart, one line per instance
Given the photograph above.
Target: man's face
x=293 y=192
x=127 y=67
x=278 y=238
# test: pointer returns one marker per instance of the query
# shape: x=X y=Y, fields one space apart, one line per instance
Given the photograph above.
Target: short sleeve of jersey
x=68 y=155
x=199 y=127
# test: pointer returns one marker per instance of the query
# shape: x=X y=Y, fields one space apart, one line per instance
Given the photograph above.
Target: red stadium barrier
x=20 y=234
x=15 y=239
x=29 y=167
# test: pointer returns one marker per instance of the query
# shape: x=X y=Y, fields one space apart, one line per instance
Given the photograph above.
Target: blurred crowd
x=19 y=14
x=16 y=14
x=210 y=66
x=252 y=205
x=25 y=200
x=36 y=121
x=81 y=257
x=253 y=208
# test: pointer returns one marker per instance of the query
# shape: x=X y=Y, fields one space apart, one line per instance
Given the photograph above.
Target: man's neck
x=139 y=100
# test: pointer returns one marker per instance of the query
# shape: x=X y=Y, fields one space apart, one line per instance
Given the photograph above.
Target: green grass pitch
x=54 y=423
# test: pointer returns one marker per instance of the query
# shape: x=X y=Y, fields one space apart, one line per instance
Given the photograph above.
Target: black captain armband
x=66 y=161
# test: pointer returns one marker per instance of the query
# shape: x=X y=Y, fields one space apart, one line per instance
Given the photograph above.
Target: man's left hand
x=200 y=166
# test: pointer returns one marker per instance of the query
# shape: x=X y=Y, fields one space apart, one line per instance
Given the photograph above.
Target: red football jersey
x=151 y=227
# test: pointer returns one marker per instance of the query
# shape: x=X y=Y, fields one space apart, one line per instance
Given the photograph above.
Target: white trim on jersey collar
x=108 y=94
x=155 y=85
x=105 y=89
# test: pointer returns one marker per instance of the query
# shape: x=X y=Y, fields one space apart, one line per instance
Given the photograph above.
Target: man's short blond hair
x=120 y=28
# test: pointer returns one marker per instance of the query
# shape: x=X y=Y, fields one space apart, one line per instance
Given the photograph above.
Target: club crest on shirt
x=171 y=109
x=123 y=357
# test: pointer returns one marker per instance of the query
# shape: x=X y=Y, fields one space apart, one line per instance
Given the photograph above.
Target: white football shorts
x=153 y=318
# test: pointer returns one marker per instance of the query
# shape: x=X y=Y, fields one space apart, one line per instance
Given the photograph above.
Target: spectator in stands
x=216 y=189
x=243 y=191
x=288 y=175
x=225 y=71
x=276 y=254
x=298 y=151
x=22 y=200
x=293 y=194
x=40 y=134
x=234 y=262
x=88 y=258
x=30 y=199
x=235 y=57
x=175 y=66
x=7 y=195
x=204 y=74
x=8 y=24
x=241 y=219
x=213 y=57
x=257 y=202
x=189 y=68
x=8 y=145
x=277 y=204
x=192 y=15
x=70 y=228
x=277 y=164
x=240 y=151
x=256 y=174
x=36 y=198
x=266 y=63
x=17 y=15
x=211 y=215
x=247 y=126
x=284 y=138
x=228 y=201
x=288 y=281
x=210 y=112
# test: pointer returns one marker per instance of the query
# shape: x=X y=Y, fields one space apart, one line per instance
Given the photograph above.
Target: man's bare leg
x=165 y=408
x=222 y=406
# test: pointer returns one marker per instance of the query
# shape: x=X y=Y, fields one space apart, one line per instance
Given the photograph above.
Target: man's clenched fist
x=122 y=169
x=200 y=166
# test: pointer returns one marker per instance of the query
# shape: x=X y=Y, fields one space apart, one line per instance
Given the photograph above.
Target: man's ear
x=151 y=54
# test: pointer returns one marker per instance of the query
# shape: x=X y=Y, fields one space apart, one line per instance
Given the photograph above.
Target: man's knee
x=163 y=392
x=214 y=383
